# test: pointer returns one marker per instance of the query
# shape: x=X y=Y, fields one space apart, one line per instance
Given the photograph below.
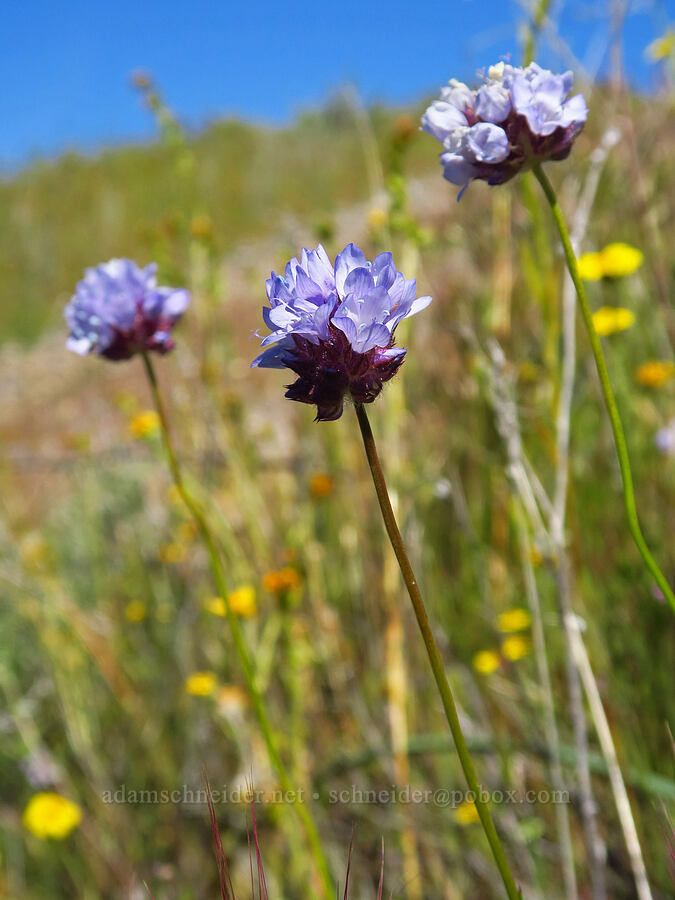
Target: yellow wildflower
x=466 y=813
x=377 y=218
x=590 y=266
x=242 y=601
x=282 y=580
x=486 y=661
x=144 y=424
x=216 y=606
x=614 y=261
x=320 y=485
x=516 y=647
x=135 y=611
x=662 y=47
x=516 y=619
x=619 y=260
x=201 y=684
x=50 y=815
x=655 y=373
x=172 y=553
x=201 y=227
x=536 y=556
x=612 y=319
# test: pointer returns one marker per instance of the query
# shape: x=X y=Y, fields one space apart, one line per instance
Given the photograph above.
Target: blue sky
x=64 y=67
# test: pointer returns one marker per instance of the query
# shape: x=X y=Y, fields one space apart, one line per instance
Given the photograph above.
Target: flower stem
x=482 y=806
x=607 y=392
x=221 y=584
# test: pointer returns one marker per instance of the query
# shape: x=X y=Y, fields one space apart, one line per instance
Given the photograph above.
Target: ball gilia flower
x=517 y=118
x=118 y=310
x=333 y=325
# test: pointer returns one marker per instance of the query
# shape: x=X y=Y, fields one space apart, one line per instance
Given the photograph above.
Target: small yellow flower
x=466 y=813
x=282 y=580
x=516 y=647
x=377 y=218
x=216 y=606
x=662 y=47
x=320 y=485
x=242 y=601
x=590 y=266
x=201 y=684
x=172 y=553
x=486 y=662
x=50 y=815
x=517 y=619
x=620 y=260
x=655 y=373
x=612 y=319
x=135 y=611
x=144 y=424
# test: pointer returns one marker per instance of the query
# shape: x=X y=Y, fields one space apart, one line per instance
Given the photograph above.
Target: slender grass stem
x=606 y=387
x=482 y=807
x=264 y=723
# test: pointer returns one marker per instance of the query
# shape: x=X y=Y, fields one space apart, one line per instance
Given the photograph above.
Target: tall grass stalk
x=482 y=806
x=260 y=711
x=606 y=387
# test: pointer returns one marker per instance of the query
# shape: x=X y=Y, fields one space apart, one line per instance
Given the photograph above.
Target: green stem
x=482 y=806
x=221 y=584
x=607 y=393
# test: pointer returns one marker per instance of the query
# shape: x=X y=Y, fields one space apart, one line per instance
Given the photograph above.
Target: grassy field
x=108 y=606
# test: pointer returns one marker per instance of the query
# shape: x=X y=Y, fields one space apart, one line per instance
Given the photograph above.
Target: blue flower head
x=518 y=117
x=118 y=310
x=333 y=325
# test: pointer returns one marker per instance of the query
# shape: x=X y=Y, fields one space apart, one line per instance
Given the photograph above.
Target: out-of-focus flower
x=517 y=118
x=590 y=266
x=613 y=261
x=135 y=611
x=241 y=602
x=377 y=218
x=612 y=319
x=487 y=661
x=144 y=425
x=201 y=684
x=333 y=325
x=619 y=260
x=516 y=619
x=662 y=47
x=285 y=579
x=172 y=553
x=516 y=647
x=665 y=439
x=118 y=310
x=320 y=485
x=655 y=373
x=466 y=813
x=231 y=699
x=49 y=815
